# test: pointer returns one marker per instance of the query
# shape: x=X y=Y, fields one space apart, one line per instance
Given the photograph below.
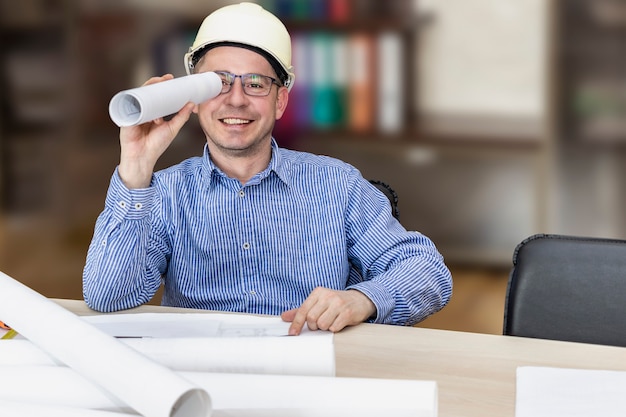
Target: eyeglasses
x=256 y=85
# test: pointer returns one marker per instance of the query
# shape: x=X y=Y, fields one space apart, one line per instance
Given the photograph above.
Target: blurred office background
x=492 y=119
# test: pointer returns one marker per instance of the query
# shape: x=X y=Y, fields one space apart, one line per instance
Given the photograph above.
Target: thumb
x=289 y=315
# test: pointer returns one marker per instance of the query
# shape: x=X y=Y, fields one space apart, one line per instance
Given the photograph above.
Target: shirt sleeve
x=402 y=272
x=128 y=252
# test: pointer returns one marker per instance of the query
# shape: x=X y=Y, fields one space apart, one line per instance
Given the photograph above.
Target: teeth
x=235 y=121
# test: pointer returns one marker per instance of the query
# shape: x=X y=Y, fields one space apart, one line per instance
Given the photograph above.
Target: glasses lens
x=227 y=80
x=253 y=84
x=256 y=84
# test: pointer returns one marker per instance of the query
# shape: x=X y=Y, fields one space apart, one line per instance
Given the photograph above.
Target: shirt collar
x=276 y=165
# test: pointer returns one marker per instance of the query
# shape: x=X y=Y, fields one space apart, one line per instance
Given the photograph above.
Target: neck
x=241 y=166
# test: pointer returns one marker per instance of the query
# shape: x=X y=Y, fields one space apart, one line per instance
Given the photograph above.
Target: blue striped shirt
x=305 y=221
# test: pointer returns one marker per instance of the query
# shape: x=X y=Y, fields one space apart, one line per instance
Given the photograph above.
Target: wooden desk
x=475 y=372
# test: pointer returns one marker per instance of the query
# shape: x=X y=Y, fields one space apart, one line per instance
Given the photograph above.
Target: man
x=249 y=226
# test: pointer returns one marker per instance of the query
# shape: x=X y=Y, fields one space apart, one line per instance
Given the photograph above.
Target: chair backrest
x=568 y=288
x=391 y=195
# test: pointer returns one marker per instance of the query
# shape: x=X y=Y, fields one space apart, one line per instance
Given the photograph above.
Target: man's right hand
x=142 y=145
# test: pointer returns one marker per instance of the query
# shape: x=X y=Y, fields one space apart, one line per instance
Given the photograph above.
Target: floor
x=49 y=259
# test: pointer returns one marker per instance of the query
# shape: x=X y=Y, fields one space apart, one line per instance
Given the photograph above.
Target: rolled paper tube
x=240 y=395
x=254 y=355
x=149 y=102
x=128 y=377
x=28 y=409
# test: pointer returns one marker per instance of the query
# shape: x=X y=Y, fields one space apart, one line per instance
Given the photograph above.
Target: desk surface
x=475 y=372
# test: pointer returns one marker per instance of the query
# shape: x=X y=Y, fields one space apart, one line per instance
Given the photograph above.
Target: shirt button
x=122 y=204
x=138 y=206
x=252 y=292
x=246 y=245
x=242 y=193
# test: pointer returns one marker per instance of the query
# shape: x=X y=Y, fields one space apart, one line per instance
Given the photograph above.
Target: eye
x=254 y=85
x=255 y=81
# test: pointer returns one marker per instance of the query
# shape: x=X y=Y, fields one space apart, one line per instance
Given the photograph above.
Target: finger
x=311 y=323
x=341 y=321
x=328 y=318
x=329 y=305
x=179 y=120
x=303 y=313
x=155 y=80
x=296 y=325
x=288 y=315
x=321 y=315
x=302 y=316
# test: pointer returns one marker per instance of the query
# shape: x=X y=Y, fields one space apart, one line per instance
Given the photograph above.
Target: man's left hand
x=326 y=309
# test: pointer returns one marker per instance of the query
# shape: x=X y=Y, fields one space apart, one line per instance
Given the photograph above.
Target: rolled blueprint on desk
x=149 y=102
x=313 y=356
x=239 y=395
x=123 y=376
x=28 y=409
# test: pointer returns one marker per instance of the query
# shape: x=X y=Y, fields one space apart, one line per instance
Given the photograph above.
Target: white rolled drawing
x=149 y=102
x=127 y=377
x=28 y=409
x=313 y=356
x=241 y=395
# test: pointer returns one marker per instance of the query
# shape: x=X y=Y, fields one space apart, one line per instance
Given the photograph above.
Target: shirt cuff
x=380 y=297
x=126 y=203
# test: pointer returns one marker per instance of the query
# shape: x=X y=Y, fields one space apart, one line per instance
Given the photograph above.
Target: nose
x=236 y=96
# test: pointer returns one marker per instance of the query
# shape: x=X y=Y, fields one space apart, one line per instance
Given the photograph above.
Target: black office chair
x=391 y=195
x=568 y=288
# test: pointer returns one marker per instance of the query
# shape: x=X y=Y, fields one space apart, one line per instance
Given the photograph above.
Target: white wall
x=484 y=59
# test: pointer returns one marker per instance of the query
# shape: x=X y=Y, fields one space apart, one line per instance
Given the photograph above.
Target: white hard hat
x=250 y=26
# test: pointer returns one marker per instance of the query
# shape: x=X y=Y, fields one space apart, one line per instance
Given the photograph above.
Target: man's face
x=234 y=123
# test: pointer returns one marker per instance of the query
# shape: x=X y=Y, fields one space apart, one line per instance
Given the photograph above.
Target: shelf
x=32 y=14
x=449 y=132
x=592 y=68
x=35 y=103
x=337 y=13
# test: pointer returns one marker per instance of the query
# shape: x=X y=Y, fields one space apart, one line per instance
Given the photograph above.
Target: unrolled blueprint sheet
x=564 y=392
x=166 y=325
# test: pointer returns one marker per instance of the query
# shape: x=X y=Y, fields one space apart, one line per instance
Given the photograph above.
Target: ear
x=281 y=101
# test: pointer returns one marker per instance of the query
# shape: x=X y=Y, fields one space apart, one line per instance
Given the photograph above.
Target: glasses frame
x=243 y=86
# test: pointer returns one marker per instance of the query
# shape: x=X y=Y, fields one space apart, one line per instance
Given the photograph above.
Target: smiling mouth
x=234 y=121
